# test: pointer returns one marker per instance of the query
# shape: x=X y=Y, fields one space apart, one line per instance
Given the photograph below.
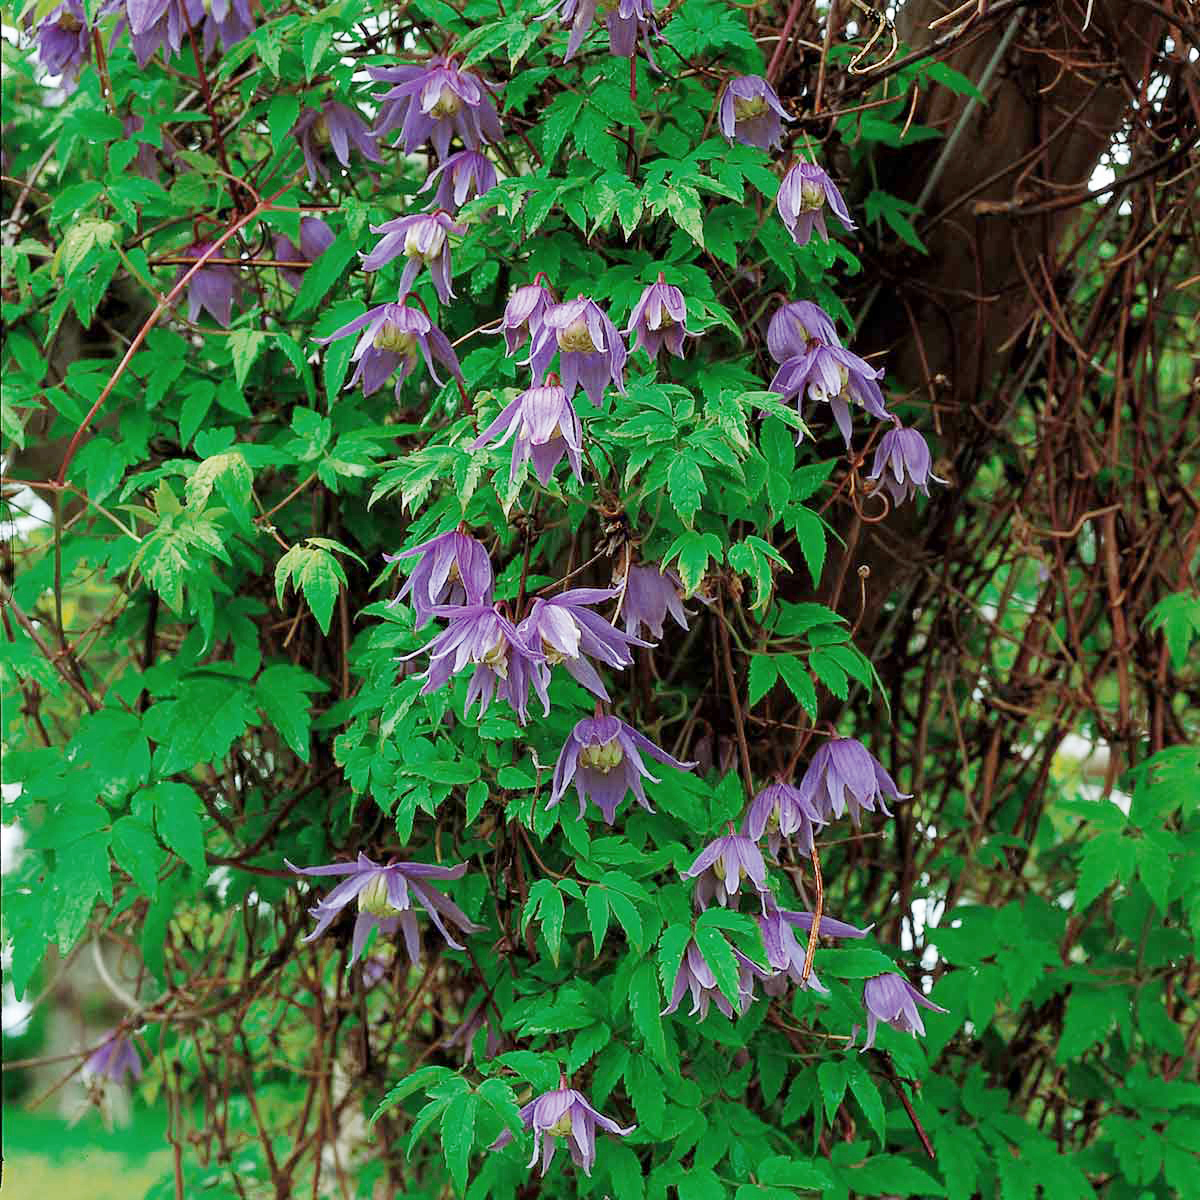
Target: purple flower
x=463 y=176
x=591 y=351
x=392 y=335
x=566 y=630
x=64 y=40
x=464 y=1035
x=385 y=900
x=481 y=638
x=780 y=810
x=660 y=316
x=453 y=569
x=581 y=14
x=785 y=953
x=902 y=459
x=601 y=755
x=154 y=24
x=796 y=326
x=434 y=102
x=523 y=314
x=803 y=194
x=627 y=22
x=422 y=239
x=315 y=238
x=115 y=1059
x=844 y=773
x=337 y=126
x=750 y=113
x=564 y=1113
x=696 y=976
x=893 y=1000
x=212 y=288
x=835 y=375
x=721 y=867
x=544 y=427
x=650 y=593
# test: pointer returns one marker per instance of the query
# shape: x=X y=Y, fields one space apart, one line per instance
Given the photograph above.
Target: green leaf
x=691 y=552
x=888 y=1174
x=810 y=533
x=176 y=809
x=282 y=693
x=425 y=1078
x=795 y=675
x=1107 y=858
x=644 y=1004
x=317 y=574
x=136 y=851
x=244 y=347
x=282 y=113
x=870 y=1101
x=199 y=726
x=322 y=275
x=718 y=954
x=624 y=1171
x=458 y=1136
x=596 y=903
x=764 y=672
x=1178 y=617
x=686 y=485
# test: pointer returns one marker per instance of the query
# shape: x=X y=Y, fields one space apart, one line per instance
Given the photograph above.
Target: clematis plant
x=423 y=239
x=804 y=194
x=723 y=866
x=903 y=464
x=894 y=1001
x=844 y=774
x=453 y=569
x=590 y=350
x=750 y=112
x=543 y=426
x=433 y=103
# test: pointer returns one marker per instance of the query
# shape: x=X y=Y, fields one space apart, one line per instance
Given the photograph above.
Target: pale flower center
x=497 y=657
x=391 y=337
x=69 y=23
x=417 y=245
x=747 y=110
x=553 y=654
x=319 y=132
x=561 y=1127
x=447 y=104
x=373 y=898
x=603 y=758
x=576 y=338
x=812 y=196
x=718 y=869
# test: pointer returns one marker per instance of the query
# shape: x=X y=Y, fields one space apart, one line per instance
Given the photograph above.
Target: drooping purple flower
x=659 y=317
x=544 y=426
x=650 y=594
x=453 y=569
x=385 y=896
x=805 y=191
x=462 y=177
x=696 y=976
x=629 y=21
x=64 y=40
x=795 y=326
x=781 y=811
x=523 y=314
x=338 y=126
x=116 y=1058
x=844 y=773
x=392 y=336
x=154 y=24
x=432 y=103
x=581 y=14
x=893 y=1000
x=591 y=351
x=212 y=288
x=423 y=240
x=315 y=238
x=903 y=461
x=750 y=113
x=785 y=953
x=480 y=638
x=603 y=757
x=568 y=632
x=564 y=1113
x=721 y=867
x=834 y=375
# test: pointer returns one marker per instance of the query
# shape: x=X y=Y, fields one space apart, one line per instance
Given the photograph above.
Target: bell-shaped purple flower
x=64 y=40
x=164 y=24
x=845 y=774
x=452 y=569
x=603 y=757
x=650 y=594
x=544 y=426
x=434 y=102
x=834 y=375
x=805 y=191
x=903 y=462
x=696 y=976
x=462 y=177
x=628 y=22
x=893 y=1000
x=479 y=638
x=721 y=868
x=568 y=632
x=580 y=14
x=395 y=335
x=780 y=811
x=523 y=315
x=591 y=351
x=385 y=896
x=564 y=1113
x=423 y=239
x=339 y=127
x=116 y=1058
x=315 y=238
x=784 y=952
x=212 y=288
x=797 y=325
x=750 y=113
x=659 y=317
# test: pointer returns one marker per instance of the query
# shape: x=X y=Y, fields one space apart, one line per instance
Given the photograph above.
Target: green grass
x=45 y=1158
